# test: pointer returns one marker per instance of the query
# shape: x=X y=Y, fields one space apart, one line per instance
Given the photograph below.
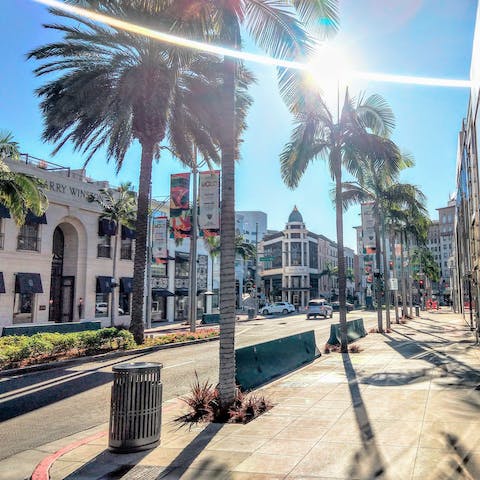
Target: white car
x=278 y=307
x=319 y=308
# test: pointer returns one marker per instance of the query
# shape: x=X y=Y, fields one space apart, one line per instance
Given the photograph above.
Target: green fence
x=355 y=330
x=68 y=327
x=258 y=364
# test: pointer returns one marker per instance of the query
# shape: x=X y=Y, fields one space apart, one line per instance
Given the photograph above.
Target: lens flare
x=242 y=55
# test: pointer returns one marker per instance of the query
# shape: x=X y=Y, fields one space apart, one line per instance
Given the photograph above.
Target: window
x=24 y=306
x=182 y=268
x=312 y=246
x=295 y=235
x=104 y=246
x=296 y=254
x=124 y=302
x=126 y=249
x=28 y=238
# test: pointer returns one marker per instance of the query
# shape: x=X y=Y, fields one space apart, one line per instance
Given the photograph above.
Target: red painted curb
x=41 y=471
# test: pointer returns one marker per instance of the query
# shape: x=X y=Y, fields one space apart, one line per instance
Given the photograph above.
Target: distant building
x=302 y=264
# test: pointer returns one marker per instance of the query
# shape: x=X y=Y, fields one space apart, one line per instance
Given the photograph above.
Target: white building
x=58 y=267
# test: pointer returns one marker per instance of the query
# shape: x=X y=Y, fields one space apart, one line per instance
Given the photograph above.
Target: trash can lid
x=136 y=366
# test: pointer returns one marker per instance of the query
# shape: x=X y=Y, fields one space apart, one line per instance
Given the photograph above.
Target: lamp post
x=192 y=297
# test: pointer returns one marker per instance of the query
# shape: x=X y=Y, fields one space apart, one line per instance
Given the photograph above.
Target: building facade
x=58 y=267
x=301 y=264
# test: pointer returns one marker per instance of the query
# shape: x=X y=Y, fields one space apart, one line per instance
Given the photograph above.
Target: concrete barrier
x=258 y=364
x=68 y=327
x=355 y=330
x=210 y=318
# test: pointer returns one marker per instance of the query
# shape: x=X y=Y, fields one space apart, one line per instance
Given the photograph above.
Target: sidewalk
x=406 y=407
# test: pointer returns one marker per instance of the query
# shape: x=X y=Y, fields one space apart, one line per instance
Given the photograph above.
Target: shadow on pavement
x=24 y=394
x=367 y=463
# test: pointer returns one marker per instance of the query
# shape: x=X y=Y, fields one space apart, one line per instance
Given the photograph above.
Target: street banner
x=180 y=222
x=209 y=200
x=368 y=225
x=159 y=238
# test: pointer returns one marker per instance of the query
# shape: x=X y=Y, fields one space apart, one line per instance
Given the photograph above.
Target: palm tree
x=277 y=27
x=19 y=192
x=382 y=188
x=425 y=264
x=118 y=207
x=243 y=249
x=117 y=87
x=358 y=132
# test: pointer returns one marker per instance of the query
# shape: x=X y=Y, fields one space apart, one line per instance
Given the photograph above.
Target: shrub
x=204 y=405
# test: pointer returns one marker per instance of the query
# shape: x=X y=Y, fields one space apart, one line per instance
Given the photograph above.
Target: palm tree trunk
x=139 y=263
x=394 y=274
x=342 y=280
x=226 y=382
x=114 y=296
x=404 y=285
x=377 y=274
x=385 y=276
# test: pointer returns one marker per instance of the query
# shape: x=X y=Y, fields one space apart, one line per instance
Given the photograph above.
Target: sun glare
x=329 y=68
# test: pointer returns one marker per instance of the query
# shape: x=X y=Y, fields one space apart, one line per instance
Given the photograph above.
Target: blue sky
x=408 y=37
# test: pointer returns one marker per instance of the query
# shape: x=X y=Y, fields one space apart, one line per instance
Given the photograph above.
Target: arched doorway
x=61 y=287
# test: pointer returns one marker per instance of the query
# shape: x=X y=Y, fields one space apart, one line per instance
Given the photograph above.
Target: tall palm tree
x=422 y=259
x=119 y=207
x=359 y=131
x=19 y=192
x=278 y=27
x=114 y=87
x=383 y=189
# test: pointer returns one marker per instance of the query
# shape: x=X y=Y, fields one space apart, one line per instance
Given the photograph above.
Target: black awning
x=4 y=211
x=28 y=283
x=162 y=292
x=181 y=291
x=128 y=233
x=107 y=227
x=126 y=284
x=32 y=219
x=2 y=283
x=104 y=284
x=182 y=257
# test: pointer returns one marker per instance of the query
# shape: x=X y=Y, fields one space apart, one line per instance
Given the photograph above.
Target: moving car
x=278 y=307
x=318 y=307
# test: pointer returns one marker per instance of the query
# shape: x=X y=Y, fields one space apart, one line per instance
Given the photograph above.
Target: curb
x=42 y=470
x=102 y=356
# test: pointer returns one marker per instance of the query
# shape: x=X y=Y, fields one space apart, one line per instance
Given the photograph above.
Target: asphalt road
x=42 y=407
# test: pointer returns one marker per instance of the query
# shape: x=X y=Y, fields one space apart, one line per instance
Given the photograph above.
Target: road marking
x=177 y=365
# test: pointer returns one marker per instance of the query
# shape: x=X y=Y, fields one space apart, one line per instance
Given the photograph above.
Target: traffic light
x=390 y=264
x=420 y=284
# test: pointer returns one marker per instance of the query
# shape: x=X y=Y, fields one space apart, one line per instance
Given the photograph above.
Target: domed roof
x=295 y=216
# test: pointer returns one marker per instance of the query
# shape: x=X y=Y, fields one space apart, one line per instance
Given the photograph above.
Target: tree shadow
x=112 y=466
x=368 y=463
x=24 y=394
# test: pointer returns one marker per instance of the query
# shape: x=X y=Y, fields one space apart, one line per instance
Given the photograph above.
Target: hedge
x=20 y=349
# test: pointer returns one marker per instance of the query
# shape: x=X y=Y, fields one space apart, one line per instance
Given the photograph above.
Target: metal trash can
x=251 y=313
x=417 y=311
x=136 y=407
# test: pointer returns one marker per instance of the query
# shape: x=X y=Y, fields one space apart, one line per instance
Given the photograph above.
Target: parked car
x=336 y=306
x=278 y=307
x=102 y=307
x=318 y=307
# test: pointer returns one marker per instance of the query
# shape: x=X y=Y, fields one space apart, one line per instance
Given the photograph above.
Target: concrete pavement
x=406 y=407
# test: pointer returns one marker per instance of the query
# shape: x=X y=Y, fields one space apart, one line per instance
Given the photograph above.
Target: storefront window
x=124 y=302
x=101 y=304
x=24 y=304
x=182 y=268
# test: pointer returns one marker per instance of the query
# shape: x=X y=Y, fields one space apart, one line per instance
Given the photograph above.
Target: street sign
x=266 y=259
x=393 y=284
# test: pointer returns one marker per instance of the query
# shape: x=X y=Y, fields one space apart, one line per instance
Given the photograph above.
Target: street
x=42 y=407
